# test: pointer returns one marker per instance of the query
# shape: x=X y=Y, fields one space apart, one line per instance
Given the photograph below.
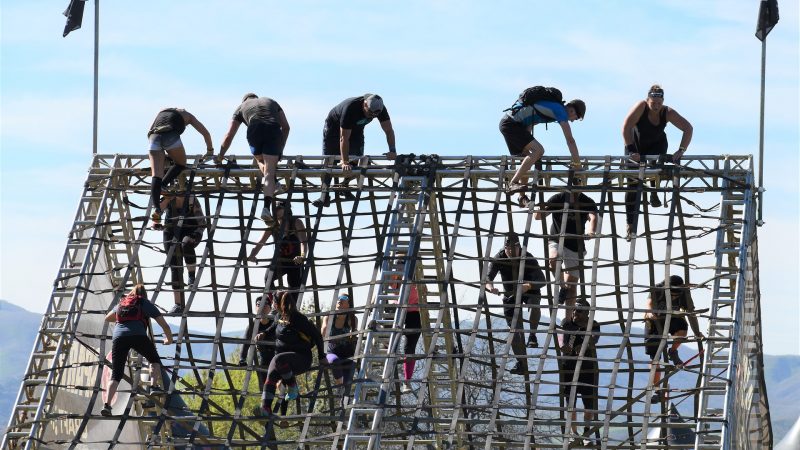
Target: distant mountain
x=783 y=391
x=18 y=329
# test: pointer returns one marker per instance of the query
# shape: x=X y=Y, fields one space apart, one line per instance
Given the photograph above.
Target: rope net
x=464 y=388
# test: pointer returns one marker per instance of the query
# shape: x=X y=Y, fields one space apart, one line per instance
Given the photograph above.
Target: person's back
x=168 y=120
x=262 y=110
x=135 y=327
x=543 y=111
x=295 y=335
x=578 y=213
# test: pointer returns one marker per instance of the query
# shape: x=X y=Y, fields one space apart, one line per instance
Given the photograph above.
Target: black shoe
x=157 y=390
x=323 y=201
x=533 y=342
x=242 y=363
x=655 y=399
x=106 y=411
x=519 y=369
x=177 y=309
x=191 y=279
x=654 y=201
x=675 y=358
x=349 y=196
x=562 y=295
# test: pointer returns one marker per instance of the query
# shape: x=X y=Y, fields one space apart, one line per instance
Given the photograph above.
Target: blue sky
x=446 y=70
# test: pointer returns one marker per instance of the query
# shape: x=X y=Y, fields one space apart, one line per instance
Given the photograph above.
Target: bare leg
x=155 y=374
x=533 y=152
x=112 y=390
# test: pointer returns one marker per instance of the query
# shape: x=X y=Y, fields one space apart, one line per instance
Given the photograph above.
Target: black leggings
x=120 y=346
x=293 y=273
x=285 y=366
x=414 y=322
x=185 y=251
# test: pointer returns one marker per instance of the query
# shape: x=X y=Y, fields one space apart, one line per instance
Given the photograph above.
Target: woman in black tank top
x=292 y=246
x=643 y=133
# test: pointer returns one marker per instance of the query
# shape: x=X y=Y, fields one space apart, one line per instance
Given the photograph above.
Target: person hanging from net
x=412 y=326
x=292 y=246
x=643 y=134
x=187 y=233
x=679 y=308
x=339 y=329
x=537 y=105
x=507 y=263
x=581 y=222
x=267 y=132
x=131 y=316
x=343 y=135
x=165 y=137
x=295 y=338
x=571 y=339
x=265 y=338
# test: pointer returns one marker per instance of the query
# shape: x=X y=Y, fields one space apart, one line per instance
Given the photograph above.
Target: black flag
x=74 y=15
x=767 y=18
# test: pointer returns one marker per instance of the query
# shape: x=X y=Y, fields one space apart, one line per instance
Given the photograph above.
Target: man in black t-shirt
x=343 y=134
x=267 y=132
x=580 y=209
x=507 y=263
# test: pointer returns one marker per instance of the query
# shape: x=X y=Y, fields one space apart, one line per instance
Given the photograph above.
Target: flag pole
x=96 y=53
x=761 y=133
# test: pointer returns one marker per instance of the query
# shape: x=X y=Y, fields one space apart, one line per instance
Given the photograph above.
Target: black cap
x=511 y=239
x=675 y=281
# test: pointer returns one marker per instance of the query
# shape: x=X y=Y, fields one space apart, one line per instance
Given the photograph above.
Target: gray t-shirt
x=136 y=327
x=258 y=110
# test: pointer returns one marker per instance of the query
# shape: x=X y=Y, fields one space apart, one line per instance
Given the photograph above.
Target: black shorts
x=330 y=143
x=653 y=329
x=120 y=347
x=588 y=380
x=516 y=135
x=527 y=299
x=264 y=139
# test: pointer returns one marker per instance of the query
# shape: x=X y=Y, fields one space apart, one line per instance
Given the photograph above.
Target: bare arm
x=649 y=307
x=630 y=122
x=344 y=148
x=692 y=317
x=163 y=204
x=167 y=331
x=192 y=120
x=590 y=229
x=111 y=316
x=389 y=131
x=284 y=128
x=573 y=147
x=324 y=329
x=300 y=230
x=682 y=124
x=226 y=141
x=261 y=242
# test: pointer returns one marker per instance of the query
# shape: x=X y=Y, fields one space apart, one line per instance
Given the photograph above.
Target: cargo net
x=454 y=378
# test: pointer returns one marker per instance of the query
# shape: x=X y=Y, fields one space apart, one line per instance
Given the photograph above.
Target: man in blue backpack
x=537 y=105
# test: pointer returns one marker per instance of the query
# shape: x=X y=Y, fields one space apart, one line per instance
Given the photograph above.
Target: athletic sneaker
x=106 y=411
x=406 y=388
x=532 y=341
x=515 y=188
x=654 y=201
x=675 y=358
x=323 y=201
x=292 y=393
x=348 y=195
x=155 y=219
x=177 y=309
x=157 y=390
x=562 y=295
x=191 y=279
x=266 y=216
x=519 y=369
